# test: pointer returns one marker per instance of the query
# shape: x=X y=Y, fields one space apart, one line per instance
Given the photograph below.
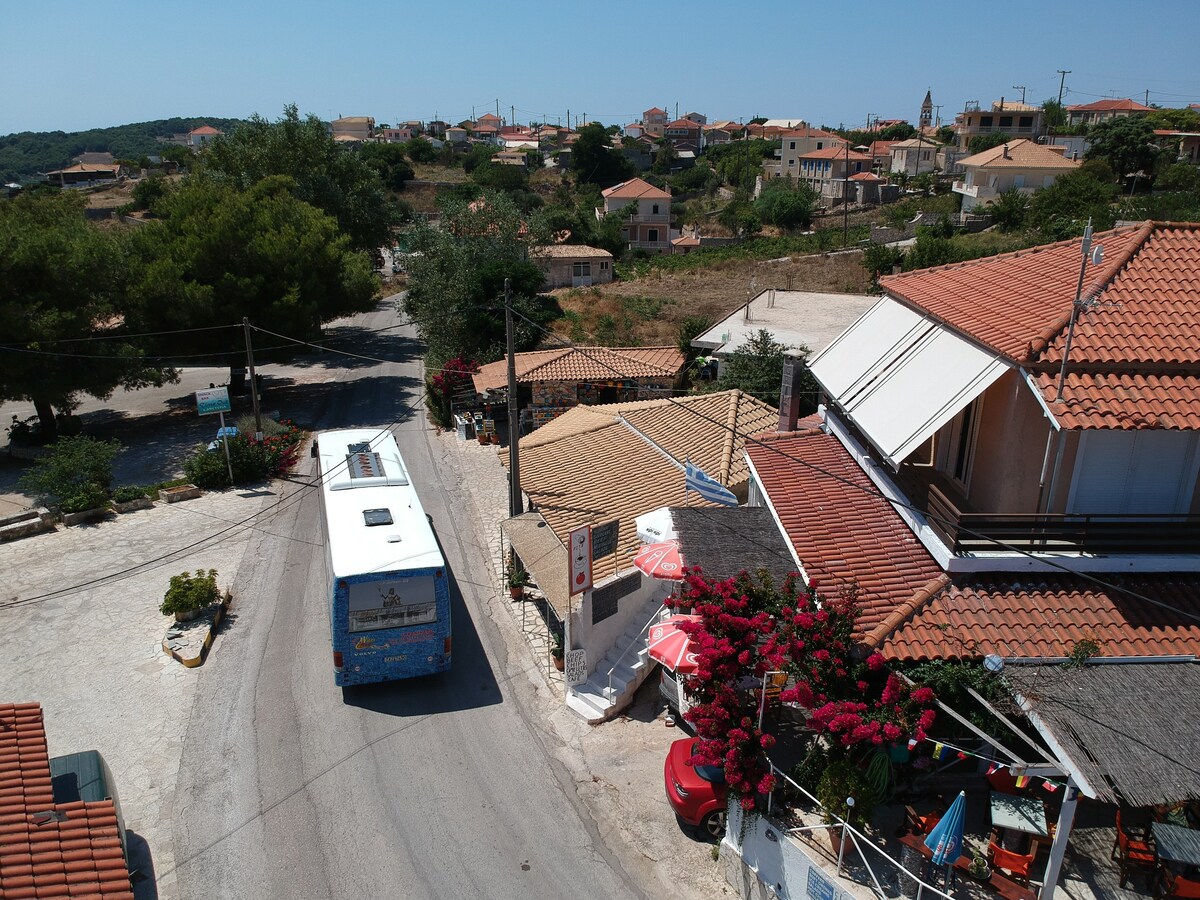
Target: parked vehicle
x=222 y=433
x=696 y=793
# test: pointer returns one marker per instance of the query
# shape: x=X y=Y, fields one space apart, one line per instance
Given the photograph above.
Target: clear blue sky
x=827 y=63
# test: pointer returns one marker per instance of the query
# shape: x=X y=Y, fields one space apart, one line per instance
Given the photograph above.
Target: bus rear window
x=392 y=604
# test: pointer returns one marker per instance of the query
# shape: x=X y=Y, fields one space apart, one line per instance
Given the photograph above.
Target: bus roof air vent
x=377 y=517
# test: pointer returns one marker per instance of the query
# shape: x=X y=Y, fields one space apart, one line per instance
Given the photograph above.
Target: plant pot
x=516 y=591
x=558 y=662
x=842 y=844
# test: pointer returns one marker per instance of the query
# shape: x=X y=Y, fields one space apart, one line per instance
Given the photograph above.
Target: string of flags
x=943 y=751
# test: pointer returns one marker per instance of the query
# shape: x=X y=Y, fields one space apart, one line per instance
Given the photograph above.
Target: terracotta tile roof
x=593 y=464
x=685 y=241
x=865 y=176
x=808 y=132
x=76 y=854
x=1135 y=362
x=915 y=144
x=88 y=167
x=840 y=528
x=1020 y=154
x=1046 y=616
x=1125 y=105
x=205 y=129
x=570 y=251
x=837 y=153
x=654 y=111
x=582 y=364
x=881 y=148
x=684 y=123
x=633 y=189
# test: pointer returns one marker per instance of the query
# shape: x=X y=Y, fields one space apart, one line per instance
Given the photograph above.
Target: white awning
x=899 y=376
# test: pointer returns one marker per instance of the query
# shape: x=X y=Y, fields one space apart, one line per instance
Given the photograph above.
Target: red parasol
x=672 y=647
x=661 y=560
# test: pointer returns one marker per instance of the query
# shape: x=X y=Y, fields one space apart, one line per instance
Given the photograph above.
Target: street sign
x=579 y=559
x=213 y=400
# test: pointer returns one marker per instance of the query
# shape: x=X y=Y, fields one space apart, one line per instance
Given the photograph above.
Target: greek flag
x=696 y=480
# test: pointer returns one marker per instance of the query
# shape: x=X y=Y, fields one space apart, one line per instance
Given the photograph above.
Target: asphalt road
x=436 y=787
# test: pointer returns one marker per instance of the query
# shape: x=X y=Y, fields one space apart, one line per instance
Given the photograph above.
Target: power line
x=123 y=337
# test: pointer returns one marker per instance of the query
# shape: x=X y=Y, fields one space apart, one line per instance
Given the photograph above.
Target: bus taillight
x=337 y=660
x=446 y=647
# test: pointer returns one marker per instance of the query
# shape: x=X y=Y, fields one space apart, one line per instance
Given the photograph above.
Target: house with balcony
x=828 y=171
x=487 y=128
x=646 y=214
x=684 y=134
x=353 y=128
x=1018 y=120
x=796 y=143
x=654 y=122
x=1021 y=165
x=1000 y=477
x=1104 y=111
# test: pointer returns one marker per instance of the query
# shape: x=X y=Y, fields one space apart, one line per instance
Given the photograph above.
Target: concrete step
x=588 y=701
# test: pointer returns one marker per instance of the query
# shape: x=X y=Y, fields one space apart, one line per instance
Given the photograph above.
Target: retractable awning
x=899 y=376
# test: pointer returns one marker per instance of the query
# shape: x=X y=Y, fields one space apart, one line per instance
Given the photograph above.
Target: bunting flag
x=942 y=751
x=912 y=744
x=1022 y=780
x=938 y=747
x=993 y=768
x=1050 y=786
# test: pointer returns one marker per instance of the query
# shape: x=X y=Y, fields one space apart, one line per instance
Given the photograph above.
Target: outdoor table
x=1014 y=814
x=1173 y=843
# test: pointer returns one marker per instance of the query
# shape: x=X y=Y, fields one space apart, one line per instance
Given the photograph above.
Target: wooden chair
x=1014 y=863
x=1133 y=855
x=1178 y=886
x=917 y=824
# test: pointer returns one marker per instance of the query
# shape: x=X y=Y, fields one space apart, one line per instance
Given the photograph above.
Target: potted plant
x=517 y=579
x=188 y=596
x=845 y=793
x=979 y=869
x=556 y=649
x=129 y=498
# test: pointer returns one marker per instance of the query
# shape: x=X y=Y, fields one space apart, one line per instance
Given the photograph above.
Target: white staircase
x=626 y=666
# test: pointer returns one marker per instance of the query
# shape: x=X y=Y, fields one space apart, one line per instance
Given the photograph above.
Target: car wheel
x=713 y=825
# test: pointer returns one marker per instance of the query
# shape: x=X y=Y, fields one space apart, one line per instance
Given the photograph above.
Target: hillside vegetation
x=25 y=154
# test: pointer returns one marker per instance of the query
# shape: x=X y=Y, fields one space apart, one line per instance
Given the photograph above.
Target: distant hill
x=24 y=155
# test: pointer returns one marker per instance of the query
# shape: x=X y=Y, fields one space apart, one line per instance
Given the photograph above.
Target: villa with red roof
x=1000 y=477
x=828 y=171
x=1104 y=111
x=654 y=122
x=199 y=137
x=645 y=211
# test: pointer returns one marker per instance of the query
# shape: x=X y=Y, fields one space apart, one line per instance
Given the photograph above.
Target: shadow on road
x=470 y=683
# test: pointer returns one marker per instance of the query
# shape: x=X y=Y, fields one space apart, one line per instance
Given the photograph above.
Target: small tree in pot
x=189 y=595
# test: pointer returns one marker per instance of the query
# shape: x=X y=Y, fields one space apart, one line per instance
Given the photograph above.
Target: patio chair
x=1014 y=863
x=1133 y=855
x=917 y=824
x=1178 y=886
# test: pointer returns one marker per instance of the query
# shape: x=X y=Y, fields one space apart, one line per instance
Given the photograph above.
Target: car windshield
x=711 y=774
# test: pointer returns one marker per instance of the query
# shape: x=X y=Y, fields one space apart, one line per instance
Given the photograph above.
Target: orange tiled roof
x=1135 y=360
x=1125 y=105
x=810 y=132
x=865 y=176
x=1043 y=616
x=1020 y=154
x=837 y=153
x=583 y=364
x=78 y=853
x=593 y=464
x=204 y=129
x=633 y=189
x=840 y=528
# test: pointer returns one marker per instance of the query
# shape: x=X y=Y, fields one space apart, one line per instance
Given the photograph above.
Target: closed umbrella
x=672 y=647
x=946 y=838
x=661 y=560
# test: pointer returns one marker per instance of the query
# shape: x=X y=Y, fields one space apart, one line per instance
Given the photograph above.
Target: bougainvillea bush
x=748 y=627
x=443 y=386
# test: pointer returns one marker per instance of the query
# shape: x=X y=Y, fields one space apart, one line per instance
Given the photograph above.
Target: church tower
x=927 y=112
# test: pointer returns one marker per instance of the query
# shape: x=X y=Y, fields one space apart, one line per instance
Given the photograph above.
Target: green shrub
x=188 y=593
x=75 y=476
x=251 y=461
x=127 y=493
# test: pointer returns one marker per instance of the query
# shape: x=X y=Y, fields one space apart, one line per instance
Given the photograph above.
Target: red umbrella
x=672 y=647
x=661 y=560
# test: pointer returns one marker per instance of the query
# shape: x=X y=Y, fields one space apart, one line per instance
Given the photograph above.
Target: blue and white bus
x=389 y=593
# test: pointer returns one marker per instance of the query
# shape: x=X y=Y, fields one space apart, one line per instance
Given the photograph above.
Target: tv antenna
x=1079 y=305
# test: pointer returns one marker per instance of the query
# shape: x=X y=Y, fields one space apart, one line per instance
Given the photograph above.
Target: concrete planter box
x=26 y=523
x=133 y=505
x=87 y=515
x=175 y=494
x=19 y=451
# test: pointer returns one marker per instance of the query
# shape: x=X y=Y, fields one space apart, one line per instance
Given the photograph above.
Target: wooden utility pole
x=515 y=503
x=258 y=431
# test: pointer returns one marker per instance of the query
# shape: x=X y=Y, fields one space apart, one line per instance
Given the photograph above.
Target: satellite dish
x=993 y=662
x=1097 y=255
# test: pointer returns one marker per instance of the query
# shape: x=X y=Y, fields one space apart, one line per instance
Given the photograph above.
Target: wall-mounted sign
x=213 y=400
x=575 y=666
x=579 y=559
x=604 y=539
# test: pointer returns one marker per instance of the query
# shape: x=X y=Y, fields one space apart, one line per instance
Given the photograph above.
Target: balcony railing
x=970 y=532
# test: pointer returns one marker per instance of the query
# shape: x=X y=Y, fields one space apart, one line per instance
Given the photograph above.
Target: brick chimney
x=789 y=393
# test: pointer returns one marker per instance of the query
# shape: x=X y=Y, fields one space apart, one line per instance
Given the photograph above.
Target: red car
x=696 y=793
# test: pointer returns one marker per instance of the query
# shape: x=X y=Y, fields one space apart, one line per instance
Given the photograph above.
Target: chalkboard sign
x=819 y=888
x=604 y=599
x=604 y=539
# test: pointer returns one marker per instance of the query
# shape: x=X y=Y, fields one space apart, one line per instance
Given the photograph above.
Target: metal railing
x=967 y=532
x=658 y=614
x=862 y=845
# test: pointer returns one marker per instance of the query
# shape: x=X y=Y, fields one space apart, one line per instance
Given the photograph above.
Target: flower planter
x=516 y=592
x=842 y=843
x=133 y=505
x=175 y=494
x=87 y=515
x=558 y=662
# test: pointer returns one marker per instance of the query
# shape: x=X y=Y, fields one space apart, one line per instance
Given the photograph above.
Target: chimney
x=1006 y=156
x=1001 y=105
x=789 y=393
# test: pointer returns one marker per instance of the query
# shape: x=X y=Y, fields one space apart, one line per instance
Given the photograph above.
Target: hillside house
x=646 y=211
x=1104 y=111
x=572 y=265
x=1021 y=165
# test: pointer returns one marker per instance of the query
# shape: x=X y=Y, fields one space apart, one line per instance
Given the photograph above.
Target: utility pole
x=515 y=503
x=1062 y=82
x=937 y=115
x=1021 y=88
x=846 y=200
x=258 y=432
x=1147 y=103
